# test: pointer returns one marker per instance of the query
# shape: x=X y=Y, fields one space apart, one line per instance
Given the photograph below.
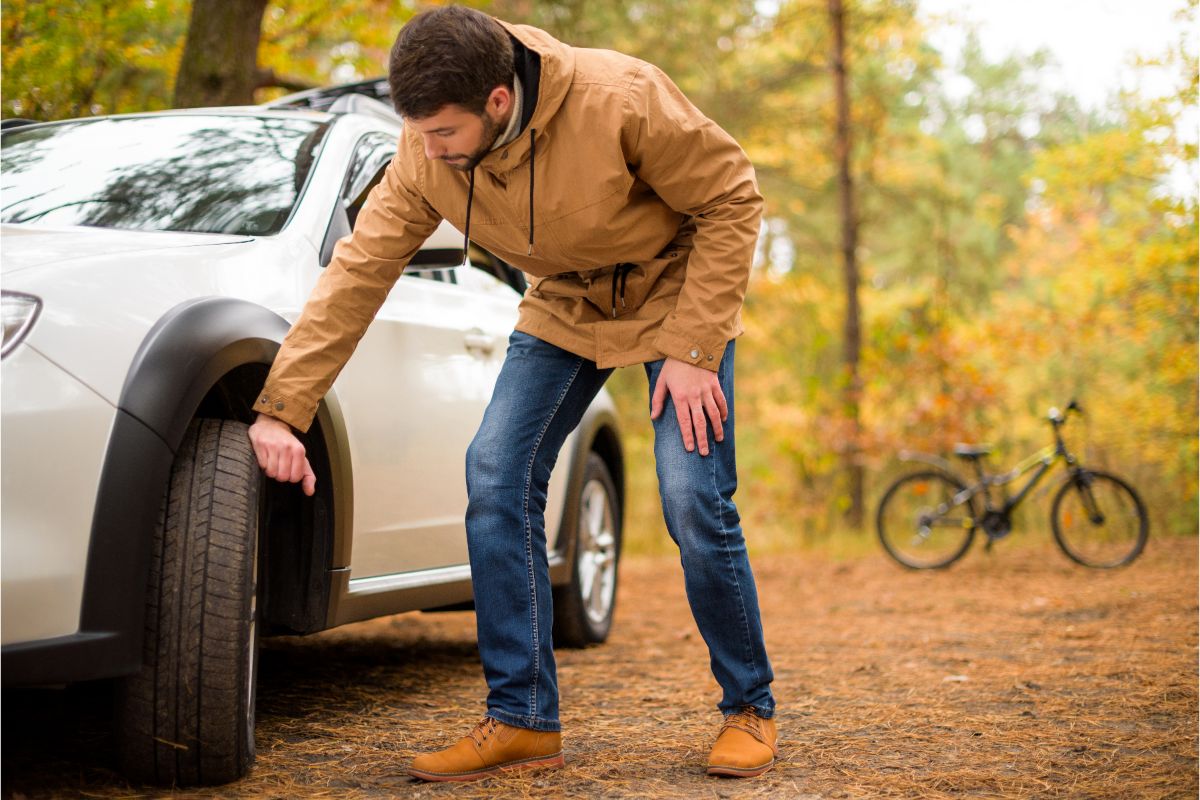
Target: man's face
x=460 y=138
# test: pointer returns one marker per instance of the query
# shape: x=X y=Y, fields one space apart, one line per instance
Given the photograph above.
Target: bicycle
x=928 y=519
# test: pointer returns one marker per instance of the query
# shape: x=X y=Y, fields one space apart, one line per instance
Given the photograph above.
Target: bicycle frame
x=941 y=495
x=1043 y=461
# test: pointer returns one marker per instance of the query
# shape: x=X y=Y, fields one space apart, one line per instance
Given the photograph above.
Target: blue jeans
x=540 y=397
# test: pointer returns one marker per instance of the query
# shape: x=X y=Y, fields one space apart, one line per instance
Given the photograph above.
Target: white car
x=152 y=264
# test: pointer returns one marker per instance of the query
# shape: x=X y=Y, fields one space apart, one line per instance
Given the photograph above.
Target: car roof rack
x=323 y=98
x=361 y=104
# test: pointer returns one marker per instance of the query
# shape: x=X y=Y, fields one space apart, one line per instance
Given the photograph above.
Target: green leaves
x=84 y=57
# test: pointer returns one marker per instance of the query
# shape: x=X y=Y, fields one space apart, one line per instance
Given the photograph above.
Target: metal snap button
x=265 y=399
x=710 y=357
x=694 y=354
x=279 y=406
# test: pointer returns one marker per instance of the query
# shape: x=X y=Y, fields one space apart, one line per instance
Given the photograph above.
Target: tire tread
x=182 y=719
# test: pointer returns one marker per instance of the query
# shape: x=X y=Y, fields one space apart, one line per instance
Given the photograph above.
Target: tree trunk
x=853 y=339
x=219 y=66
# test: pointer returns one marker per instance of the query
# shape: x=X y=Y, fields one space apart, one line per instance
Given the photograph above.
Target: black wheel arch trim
x=187 y=351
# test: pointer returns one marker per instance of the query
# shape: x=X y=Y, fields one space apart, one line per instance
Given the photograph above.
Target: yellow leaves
x=990 y=208
x=96 y=58
x=1107 y=287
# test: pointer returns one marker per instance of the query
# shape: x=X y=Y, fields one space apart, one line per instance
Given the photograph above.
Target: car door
x=413 y=395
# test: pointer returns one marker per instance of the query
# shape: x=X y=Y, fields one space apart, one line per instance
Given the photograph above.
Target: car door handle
x=477 y=340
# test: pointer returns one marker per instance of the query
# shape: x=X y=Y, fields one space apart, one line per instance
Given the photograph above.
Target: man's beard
x=491 y=132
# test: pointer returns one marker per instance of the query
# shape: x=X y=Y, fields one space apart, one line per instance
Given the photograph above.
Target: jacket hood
x=558 y=68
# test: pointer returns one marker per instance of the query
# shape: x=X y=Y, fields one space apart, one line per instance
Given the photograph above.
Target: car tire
x=188 y=717
x=583 y=608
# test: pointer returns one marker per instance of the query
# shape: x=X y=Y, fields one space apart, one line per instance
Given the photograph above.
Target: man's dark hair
x=450 y=55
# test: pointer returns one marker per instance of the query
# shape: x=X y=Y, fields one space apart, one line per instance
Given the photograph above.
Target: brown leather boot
x=489 y=748
x=745 y=747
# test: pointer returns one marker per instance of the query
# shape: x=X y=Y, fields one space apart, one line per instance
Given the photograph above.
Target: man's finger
x=258 y=453
x=272 y=462
x=714 y=416
x=299 y=463
x=721 y=404
x=701 y=426
x=310 y=479
x=685 y=424
x=656 y=400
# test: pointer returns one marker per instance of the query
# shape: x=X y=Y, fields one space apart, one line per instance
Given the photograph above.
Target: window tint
x=200 y=173
x=371 y=156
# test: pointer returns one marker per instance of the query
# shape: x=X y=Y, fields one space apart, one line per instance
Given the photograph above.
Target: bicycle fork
x=1083 y=483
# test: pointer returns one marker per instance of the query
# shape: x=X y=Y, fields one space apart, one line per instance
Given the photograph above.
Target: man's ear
x=500 y=100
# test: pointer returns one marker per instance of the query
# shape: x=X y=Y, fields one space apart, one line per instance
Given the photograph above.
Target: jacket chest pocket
x=593 y=234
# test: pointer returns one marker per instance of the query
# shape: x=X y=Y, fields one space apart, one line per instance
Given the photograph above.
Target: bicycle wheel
x=925 y=520
x=1099 y=520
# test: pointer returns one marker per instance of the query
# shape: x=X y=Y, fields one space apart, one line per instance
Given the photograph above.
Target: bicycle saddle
x=972 y=450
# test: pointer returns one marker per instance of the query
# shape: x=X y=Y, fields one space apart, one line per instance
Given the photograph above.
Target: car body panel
x=27 y=246
x=47 y=511
x=409 y=430
x=126 y=294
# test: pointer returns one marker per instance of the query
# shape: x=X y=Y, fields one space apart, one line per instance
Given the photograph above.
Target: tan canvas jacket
x=644 y=220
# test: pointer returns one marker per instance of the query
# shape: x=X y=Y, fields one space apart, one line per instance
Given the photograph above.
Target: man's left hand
x=696 y=392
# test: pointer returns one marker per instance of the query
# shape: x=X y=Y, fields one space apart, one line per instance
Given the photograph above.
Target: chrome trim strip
x=420 y=578
x=409 y=580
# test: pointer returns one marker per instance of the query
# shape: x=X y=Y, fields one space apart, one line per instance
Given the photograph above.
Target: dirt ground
x=1015 y=674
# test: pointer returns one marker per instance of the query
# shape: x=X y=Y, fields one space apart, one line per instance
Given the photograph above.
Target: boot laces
x=485 y=728
x=744 y=720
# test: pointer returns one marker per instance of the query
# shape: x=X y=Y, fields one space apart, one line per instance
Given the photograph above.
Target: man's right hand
x=280 y=453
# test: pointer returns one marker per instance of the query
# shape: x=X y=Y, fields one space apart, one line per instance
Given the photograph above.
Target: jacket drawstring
x=471 y=197
x=532 y=131
x=620 y=272
x=467 y=226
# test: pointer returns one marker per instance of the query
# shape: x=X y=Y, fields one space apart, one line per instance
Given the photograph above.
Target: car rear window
x=198 y=173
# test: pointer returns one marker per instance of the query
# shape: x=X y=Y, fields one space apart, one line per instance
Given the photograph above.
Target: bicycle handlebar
x=1057 y=417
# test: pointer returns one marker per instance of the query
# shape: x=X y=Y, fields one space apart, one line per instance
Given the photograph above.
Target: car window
x=371 y=156
x=190 y=172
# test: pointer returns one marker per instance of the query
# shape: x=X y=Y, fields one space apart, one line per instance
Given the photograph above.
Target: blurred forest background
x=1013 y=249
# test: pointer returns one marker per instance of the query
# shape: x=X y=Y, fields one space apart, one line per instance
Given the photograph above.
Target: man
x=636 y=217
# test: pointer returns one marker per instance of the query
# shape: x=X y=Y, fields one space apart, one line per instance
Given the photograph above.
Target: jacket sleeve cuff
x=690 y=351
x=285 y=409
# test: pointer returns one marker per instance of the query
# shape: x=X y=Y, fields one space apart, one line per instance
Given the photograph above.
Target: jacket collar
x=557 y=72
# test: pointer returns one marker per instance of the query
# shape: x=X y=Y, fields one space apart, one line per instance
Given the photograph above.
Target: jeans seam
x=537 y=655
x=747 y=652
